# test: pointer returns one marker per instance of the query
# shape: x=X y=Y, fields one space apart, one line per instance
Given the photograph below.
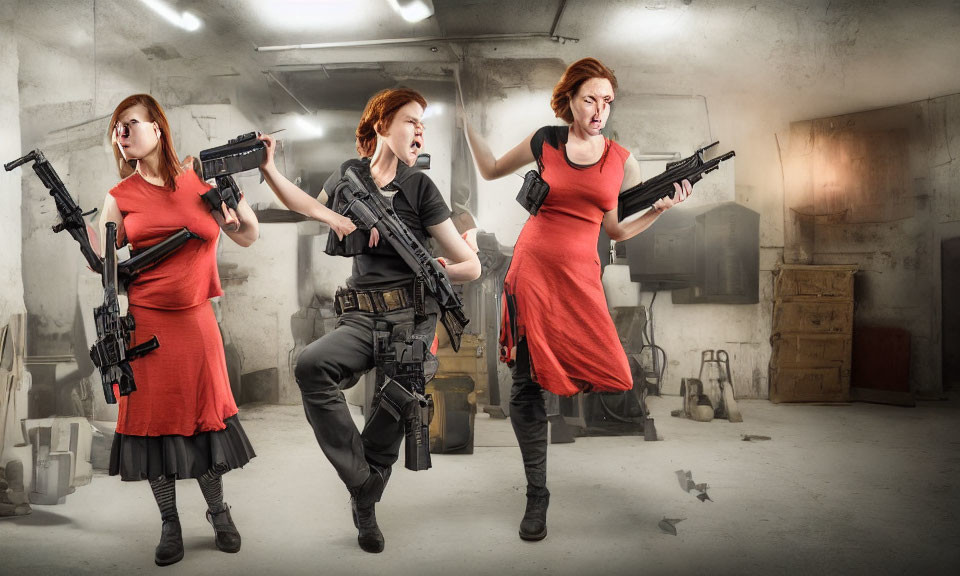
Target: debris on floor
x=687 y=484
x=752 y=437
x=669 y=525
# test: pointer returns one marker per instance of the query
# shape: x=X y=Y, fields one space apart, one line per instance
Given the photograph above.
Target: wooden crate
x=804 y=349
x=804 y=282
x=809 y=384
x=833 y=317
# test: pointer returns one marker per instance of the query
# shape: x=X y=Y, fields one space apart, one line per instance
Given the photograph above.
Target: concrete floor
x=855 y=489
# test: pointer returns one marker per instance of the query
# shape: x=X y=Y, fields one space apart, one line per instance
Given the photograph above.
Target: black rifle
x=71 y=220
x=644 y=195
x=111 y=352
x=245 y=152
x=401 y=395
x=364 y=205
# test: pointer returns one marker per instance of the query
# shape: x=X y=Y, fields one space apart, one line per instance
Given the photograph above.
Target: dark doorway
x=950 y=297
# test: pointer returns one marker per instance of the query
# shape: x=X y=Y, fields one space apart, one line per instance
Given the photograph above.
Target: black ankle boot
x=170 y=549
x=227 y=535
x=363 y=498
x=533 y=527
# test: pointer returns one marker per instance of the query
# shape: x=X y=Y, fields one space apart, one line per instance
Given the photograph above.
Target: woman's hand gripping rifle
x=363 y=205
x=111 y=352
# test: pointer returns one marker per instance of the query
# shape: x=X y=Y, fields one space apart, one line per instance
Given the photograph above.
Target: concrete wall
x=11 y=284
x=880 y=189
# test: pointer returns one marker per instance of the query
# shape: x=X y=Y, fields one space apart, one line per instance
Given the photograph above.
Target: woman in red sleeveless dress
x=181 y=421
x=556 y=333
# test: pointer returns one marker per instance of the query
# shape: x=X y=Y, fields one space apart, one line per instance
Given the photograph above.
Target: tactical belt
x=373 y=301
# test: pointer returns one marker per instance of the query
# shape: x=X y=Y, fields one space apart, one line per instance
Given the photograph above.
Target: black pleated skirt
x=150 y=457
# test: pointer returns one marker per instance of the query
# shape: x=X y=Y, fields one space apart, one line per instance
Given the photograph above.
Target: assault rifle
x=72 y=220
x=245 y=152
x=111 y=353
x=364 y=205
x=692 y=168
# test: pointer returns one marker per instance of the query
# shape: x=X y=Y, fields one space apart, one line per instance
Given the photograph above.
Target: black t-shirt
x=418 y=203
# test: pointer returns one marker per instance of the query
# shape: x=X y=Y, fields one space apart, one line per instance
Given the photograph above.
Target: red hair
x=575 y=75
x=169 y=164
x=378 y=114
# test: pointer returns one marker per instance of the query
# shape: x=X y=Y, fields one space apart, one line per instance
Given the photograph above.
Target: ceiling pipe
x=289 y=93
x=418 y=40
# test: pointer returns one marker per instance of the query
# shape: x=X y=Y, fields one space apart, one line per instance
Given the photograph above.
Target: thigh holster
x=400 y=399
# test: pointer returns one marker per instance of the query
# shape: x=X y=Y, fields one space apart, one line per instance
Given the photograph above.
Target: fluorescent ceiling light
x=309 y=127
x=184 y=20
x=413 y=10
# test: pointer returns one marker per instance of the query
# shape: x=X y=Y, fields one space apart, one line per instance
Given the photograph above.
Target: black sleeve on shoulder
x=549 y=134
x=432 y=209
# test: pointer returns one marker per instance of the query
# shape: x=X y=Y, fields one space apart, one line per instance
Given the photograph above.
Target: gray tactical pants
x=328 y=366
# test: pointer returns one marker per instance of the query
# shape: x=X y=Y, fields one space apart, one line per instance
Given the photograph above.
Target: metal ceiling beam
x=418 y=40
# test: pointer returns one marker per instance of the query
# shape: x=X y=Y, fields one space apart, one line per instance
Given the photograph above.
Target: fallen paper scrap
x=686 y=480
x=749 y=437
x=669 y=525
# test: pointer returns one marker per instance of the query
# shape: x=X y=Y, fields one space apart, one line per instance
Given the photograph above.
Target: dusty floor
x=855 y=489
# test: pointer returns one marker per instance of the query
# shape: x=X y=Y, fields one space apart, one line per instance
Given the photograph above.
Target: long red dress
x=553 y=284
x=182 y=387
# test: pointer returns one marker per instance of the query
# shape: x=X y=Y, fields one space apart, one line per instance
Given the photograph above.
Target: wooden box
x=804 y=282
x=804 y=349
x=834 y=317
x=809 y=384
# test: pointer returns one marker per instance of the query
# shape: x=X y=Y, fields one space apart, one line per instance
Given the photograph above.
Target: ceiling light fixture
x=412 y=10
x=309 y=127
x=184 y=20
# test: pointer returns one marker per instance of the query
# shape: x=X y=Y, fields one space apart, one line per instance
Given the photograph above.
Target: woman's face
x=135 y=134
x=590 y=106
x=404 y=135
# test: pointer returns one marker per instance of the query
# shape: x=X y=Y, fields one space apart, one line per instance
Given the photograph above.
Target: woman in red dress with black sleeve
x=556 y=333
x=181 y=421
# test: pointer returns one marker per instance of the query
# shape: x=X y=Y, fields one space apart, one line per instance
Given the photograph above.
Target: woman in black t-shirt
x=389 y=139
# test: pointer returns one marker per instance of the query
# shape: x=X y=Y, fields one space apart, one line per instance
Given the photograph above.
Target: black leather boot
x=533 y=527
x=363 y=499
x=227 y=535
x=170 y=549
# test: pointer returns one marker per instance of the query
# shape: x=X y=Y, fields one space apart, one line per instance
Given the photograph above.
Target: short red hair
x=575 y=75
x=378 y=114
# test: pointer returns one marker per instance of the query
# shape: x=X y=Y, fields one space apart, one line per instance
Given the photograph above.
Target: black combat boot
x=363 y=498
x=170 y=549
x=227 y=535
x=533 y=527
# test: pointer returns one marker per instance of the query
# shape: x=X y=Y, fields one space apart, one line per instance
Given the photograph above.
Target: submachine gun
x=245 y=152
x=645 y=194
x=72 y=220
x=111 y=353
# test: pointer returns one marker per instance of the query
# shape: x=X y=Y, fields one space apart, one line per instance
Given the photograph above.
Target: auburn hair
x=575 y=75
x=378 y=114
x=169 y=164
